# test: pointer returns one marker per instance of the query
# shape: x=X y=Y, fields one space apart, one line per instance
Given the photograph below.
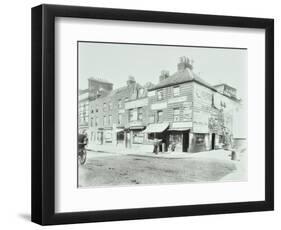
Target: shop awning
x=119 y=130
x=136 y=127
x=156 y=128
x=178 y=129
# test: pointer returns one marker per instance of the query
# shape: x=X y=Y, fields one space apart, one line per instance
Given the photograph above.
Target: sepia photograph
x=151 y=114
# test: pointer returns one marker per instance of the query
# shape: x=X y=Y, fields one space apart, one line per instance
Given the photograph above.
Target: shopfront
x=178 y=140
x=120 y=136
x=135 y=136
x=158 y=132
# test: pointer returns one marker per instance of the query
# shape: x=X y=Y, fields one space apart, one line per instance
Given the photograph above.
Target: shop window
x=176 y=91
x=176 y=138
x=200 y=138
x=176 y=114
x=120 y=137
x=108 y=137
x=150 y=136
x=138 y=137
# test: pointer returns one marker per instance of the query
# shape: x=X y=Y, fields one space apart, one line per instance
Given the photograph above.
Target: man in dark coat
x=82 y=140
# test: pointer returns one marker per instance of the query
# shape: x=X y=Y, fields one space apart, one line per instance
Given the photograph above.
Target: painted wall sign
x=136 y=103
x=177 y=99
x=182 y=125
x=200 y=122
x=157 y=106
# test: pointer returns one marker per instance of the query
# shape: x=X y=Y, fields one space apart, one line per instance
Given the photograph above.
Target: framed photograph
x=143 y=114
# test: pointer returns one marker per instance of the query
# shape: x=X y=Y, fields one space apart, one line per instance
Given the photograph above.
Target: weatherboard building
x=181 y=110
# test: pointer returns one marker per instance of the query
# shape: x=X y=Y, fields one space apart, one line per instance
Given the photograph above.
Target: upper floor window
x=176 y=91
x=104 y=106
x=110 y=106
x=119 y=119
x=176 y=114
x=104 y=120
x=159 y=116
x=96 y=121
x=119 y=103
x=187 y=113
x=109 y=119
x=140 y=114
x=140 y=92
x=160 y=95
x=132 y=115
x=92 y=121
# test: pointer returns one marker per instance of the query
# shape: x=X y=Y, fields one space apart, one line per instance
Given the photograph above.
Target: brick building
x=83 y=110
x=181 y=110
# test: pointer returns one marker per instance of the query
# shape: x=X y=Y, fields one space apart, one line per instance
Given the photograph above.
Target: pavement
x=117 y=150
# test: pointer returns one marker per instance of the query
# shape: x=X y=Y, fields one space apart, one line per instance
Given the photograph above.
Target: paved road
x=102 y=169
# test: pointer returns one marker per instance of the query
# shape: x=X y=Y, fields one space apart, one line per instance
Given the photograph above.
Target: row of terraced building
x=181 y=110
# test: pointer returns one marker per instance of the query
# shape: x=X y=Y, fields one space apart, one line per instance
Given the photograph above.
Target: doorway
x=185 y=141
x=213 y=141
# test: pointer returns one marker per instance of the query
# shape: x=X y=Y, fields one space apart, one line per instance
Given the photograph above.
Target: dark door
x=213 y=141
x=185 y=141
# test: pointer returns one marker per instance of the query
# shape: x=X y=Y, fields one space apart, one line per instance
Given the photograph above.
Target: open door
x=213 y=141
x=185 y=141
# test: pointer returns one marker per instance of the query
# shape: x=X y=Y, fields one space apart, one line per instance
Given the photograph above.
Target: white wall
x=15 y=113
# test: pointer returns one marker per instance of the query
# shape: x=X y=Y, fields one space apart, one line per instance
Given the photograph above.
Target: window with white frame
x=176 y=91
x=109 y=119
x=159 y=116
x=119 y=119
x=120 y=103
x=140 y=114
x=176 y=114
x=160 y=94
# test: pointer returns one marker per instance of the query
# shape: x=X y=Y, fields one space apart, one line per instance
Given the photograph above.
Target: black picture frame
x=43 y=114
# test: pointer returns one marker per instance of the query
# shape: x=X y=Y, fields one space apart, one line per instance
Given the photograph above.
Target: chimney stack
x=184 y=63
x=164 y=74
x=131 y=81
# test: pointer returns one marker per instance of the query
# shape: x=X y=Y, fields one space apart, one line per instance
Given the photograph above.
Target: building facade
x=83 y=110
x=182 y=111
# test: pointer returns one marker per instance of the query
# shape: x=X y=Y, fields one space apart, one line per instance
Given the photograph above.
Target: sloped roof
x=182 y=76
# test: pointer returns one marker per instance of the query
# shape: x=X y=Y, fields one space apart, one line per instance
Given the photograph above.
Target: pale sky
x=115 y=62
